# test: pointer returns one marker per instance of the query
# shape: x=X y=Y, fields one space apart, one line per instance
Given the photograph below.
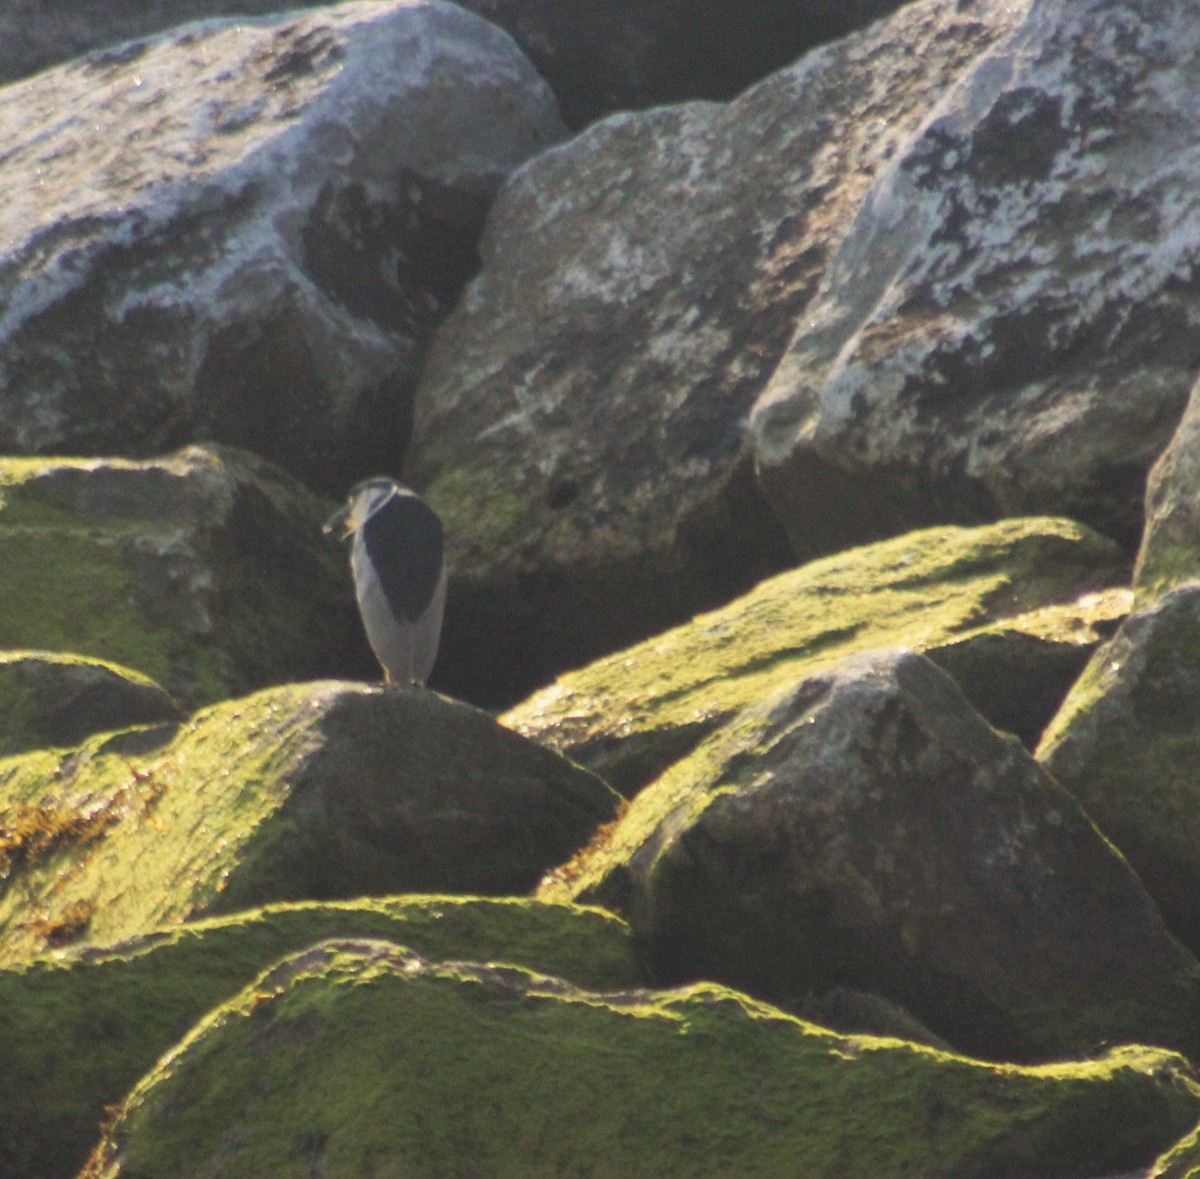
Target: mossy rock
x=358 y=1058
x=205 y=570
x=53 y=699
x=1001 y=604
x=80 y=1028
x=865 y=828
x=1127 y=745
x=306 y=792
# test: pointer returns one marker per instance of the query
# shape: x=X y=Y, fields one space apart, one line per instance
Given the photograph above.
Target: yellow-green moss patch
x=631 y=714
x=80 y=1028
x=358 y=1059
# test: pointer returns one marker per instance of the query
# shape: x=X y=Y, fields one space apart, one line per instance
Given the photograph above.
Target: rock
x=205 y=570
x=355 y=1057
x=998 y=606
x=307 y=792
x=80 y=1029
x=581 y=419
x=245 y=230
x=47 y=698
x=1170 y=552
x=1008 y=328
x=866 y=828
x=1125 y=743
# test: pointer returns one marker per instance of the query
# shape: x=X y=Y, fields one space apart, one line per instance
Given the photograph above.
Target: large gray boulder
x=866 y=828
x=245 y=230
x=581 y=419
x=1009 y=325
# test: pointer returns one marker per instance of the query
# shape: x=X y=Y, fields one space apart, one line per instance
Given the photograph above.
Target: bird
x=398 y=563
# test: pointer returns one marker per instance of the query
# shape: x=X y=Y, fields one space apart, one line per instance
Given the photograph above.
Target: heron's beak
x=342 y=519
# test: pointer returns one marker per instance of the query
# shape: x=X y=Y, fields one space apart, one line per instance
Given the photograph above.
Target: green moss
x=631 y=714
x=79 y=1030
x=357 y=1060
x=477 y=514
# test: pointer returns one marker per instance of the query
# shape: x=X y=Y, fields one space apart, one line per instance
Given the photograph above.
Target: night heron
x=399 y=571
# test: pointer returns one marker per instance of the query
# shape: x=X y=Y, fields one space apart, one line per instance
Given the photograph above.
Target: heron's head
x=364 y=500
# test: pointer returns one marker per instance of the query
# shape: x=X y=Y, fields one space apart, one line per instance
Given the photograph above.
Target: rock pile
x=807 y=782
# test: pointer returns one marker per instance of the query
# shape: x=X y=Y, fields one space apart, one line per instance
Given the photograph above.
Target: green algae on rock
x=866 y=828
x=1126 y=744
x=630 y=715
x=79 y=1028
x=204 y=570
x=358 y=1058
x=305 y=792
x=48 y=698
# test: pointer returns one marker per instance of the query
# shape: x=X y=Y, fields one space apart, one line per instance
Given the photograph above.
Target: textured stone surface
x=309 y=792
x=80 y=1028
x=358 y=1058
x=581 y=419
x=47 y=698
x=205 y=570
x=245 y=230
x=866 y=828
x=599 y=57
x=1170 y=551
x=1010 y=609
x=1126 y=744
x=1009 y=325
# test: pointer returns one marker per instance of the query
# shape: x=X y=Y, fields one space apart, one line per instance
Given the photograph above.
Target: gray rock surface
x=1009 y=325
x=1127 y=745
x=245 y=230
x=581 y=419
x=599 y=57
x=867 y=829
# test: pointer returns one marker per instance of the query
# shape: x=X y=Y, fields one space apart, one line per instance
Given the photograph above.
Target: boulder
x=1008 y=327
x=205 y=570
x=866 y=828
x=599 y=57
x=1170 y=551
x=244 y=230
x=81 y=1027
x=581 y=420
x=1011 y=609
x=48 y=698
x=359 y=1058
x=307 y=792
x=1126 y=744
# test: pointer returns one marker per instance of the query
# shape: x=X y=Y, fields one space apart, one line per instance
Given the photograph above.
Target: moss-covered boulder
x=79 y=1028
x=312 y=791
x=1126 y=743
x=358 y=1058
x=205 y=570
x=866 y=828
x=1182 y=1161
x=48 y=698
x=997 y=603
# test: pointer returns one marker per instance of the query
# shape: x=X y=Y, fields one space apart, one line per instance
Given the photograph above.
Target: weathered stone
x=205 y=570
x=79 y=1029
x=307 y=792
x=1170 y=552
x=1009 y=326
x=581 y=419
x=866 y=828
x=1126 y=744
x=1000 y=607
x=47 y=698
x=360 y=1058
x=245 y=230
